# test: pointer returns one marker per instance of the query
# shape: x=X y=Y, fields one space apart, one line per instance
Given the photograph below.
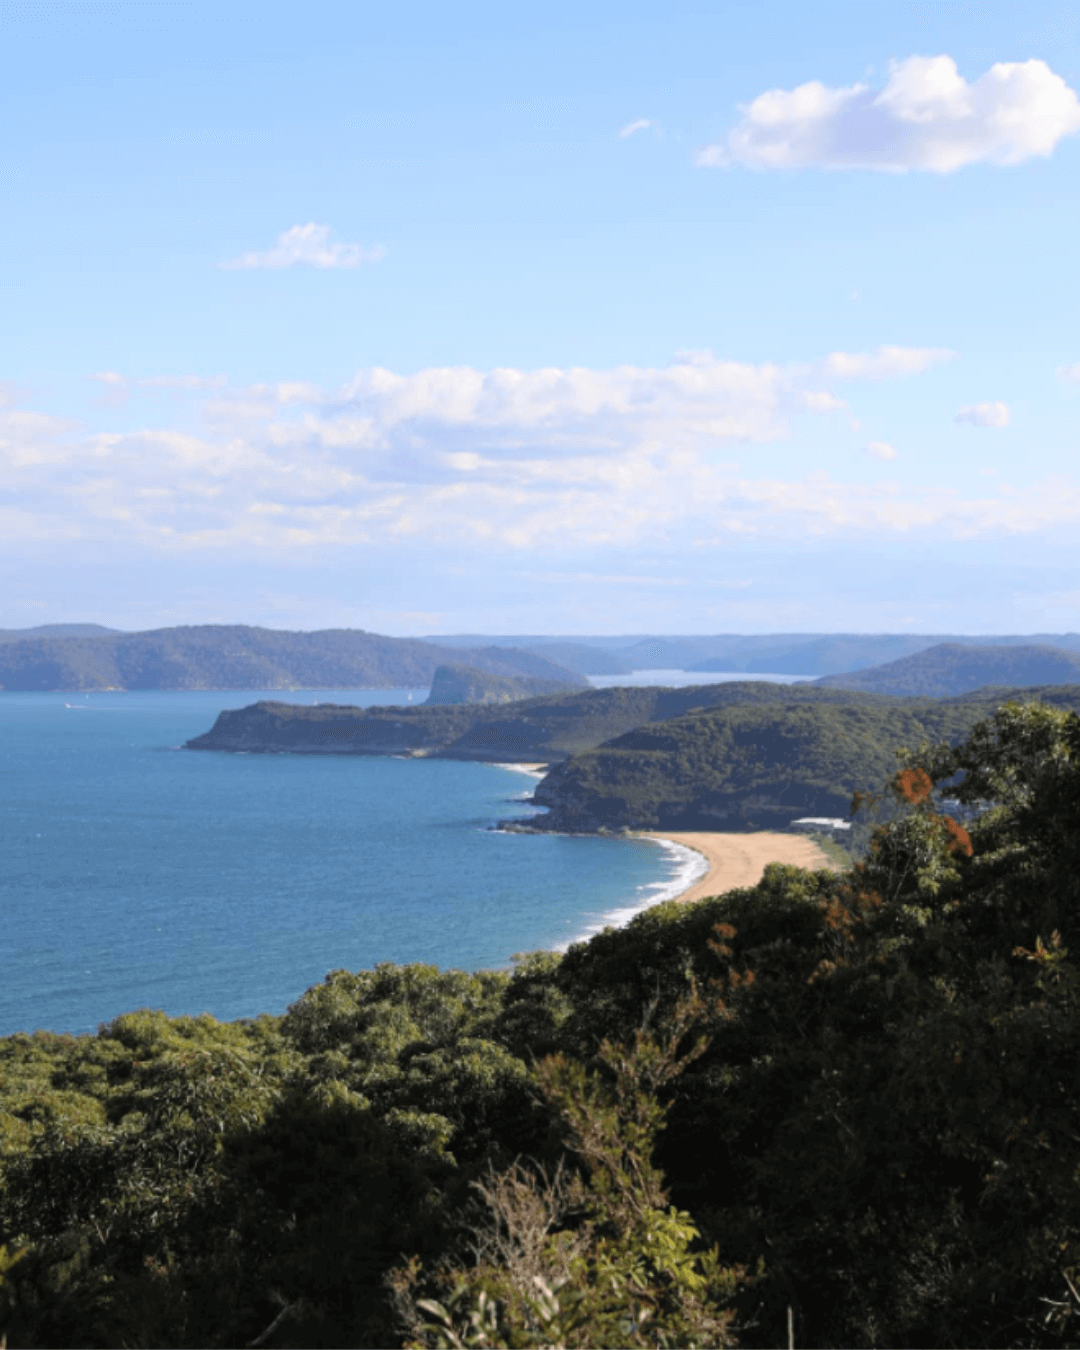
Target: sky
x=607 y=318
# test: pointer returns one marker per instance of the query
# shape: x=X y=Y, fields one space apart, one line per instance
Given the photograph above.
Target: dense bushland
x=851 y=1096
x=753 y=764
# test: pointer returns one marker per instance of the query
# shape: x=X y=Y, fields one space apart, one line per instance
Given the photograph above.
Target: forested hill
x=237 y=657
x=544 y=729
x=756 y=766
x=55 y=630
x=953 y=668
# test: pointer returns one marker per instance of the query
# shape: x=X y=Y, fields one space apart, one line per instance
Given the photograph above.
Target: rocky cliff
x=452 y=684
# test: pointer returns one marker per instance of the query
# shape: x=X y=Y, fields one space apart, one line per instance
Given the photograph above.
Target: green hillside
x=754 y=766
x=950 y=669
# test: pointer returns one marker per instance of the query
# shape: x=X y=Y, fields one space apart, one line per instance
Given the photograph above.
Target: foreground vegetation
x=848 y=1100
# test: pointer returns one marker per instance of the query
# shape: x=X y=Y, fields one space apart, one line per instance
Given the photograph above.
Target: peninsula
x=739 y=756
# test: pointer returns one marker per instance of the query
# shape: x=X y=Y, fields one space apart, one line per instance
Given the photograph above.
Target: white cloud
x=1070 y=373
x=927 y=117
x=108 y=377
x=880 y=450
x=884 y=363
x=984 y=415
x=505 y=459
x=641 y=124
x=308 y=245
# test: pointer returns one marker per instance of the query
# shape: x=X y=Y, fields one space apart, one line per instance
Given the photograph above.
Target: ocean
x=137 y=874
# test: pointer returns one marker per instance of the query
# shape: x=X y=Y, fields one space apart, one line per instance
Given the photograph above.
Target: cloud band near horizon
x=497 y=460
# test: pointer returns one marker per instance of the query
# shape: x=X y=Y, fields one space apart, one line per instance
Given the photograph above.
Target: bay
x=137 y=874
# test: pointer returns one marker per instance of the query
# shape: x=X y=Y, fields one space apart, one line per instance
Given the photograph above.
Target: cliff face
x=452 y=684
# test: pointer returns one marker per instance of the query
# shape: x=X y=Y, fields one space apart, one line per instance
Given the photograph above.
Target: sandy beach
x=740 y=859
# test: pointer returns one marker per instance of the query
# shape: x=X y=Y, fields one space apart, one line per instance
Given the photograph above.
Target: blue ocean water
x=136 y=874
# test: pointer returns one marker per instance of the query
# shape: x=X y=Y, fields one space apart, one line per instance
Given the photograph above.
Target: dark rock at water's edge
x=455 y=684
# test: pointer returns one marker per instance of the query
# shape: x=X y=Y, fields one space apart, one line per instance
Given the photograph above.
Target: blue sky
x=609 y=318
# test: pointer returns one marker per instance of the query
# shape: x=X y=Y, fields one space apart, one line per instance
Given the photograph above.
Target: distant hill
x=55 y=630
x=755 y=766
x=238 y=657
x=771 y=653
x=453 y=684
x=584 y=659
x=815 y=656
x=951 y=668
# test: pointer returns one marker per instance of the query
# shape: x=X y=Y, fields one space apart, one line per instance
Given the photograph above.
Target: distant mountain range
x=55 y=630
x=238 y=657
x=951 y=669
x=771 y=654
x=212 y=656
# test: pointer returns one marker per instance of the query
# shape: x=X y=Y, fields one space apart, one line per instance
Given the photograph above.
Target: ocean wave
x=687 y=867
x=528 y=769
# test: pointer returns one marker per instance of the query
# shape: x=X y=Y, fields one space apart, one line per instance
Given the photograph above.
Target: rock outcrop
x=452 y=684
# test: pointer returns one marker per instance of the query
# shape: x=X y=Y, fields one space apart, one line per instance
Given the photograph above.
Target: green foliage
x=601 y=1259
x=751 y=764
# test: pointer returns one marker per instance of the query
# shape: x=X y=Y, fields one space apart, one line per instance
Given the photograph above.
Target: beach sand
x=740 y=859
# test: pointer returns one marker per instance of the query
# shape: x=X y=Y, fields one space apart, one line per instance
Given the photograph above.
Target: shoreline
x=720 y=862
x=738 y=860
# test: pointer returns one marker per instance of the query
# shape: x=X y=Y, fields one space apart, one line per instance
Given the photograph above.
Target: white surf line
x=690 y=866
x=532 y=770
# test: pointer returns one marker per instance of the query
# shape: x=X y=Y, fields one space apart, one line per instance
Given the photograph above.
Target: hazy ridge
x=242 y=657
